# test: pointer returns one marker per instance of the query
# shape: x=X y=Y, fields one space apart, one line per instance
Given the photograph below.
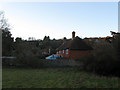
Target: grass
x=55 y=78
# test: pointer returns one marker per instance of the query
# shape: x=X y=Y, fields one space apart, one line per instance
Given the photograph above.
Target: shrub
x=87 y=61
x=31 y=61
x=102 y=60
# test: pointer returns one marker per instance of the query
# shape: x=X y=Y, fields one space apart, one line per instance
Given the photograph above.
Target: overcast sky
x=59 y=19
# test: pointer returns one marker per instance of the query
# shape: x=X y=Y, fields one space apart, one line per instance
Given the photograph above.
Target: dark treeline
x=9 y=46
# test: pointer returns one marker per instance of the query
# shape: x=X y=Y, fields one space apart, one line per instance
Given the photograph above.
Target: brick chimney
x=73 y=34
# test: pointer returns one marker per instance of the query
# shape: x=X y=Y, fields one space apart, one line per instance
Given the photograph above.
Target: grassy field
x=55 y=78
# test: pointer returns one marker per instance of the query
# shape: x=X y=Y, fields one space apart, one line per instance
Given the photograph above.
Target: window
x=66 y=51
x=59 y=52
x=63 y=51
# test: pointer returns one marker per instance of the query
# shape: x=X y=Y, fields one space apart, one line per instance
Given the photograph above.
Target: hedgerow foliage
x=102 y=60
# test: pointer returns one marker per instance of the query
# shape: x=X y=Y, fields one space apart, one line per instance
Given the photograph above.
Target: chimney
x=64 y=40
x=73 y=34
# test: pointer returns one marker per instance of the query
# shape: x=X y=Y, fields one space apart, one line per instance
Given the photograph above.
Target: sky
x=59 y=19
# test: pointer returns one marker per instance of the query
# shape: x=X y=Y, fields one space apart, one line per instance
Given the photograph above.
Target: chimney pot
x=73 y=34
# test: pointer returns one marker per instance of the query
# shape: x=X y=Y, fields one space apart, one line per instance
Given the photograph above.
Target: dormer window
x=66 y=51
x=63 y=51
x=59 y=52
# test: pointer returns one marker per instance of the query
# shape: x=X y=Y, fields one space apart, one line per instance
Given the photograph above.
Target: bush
x=103 y=60
x=30 y=61
x=87 y=61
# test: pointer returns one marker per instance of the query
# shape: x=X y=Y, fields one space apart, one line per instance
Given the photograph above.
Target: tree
x=4 y=22
x=46 y=42
x=46 y=38
x=7 y=40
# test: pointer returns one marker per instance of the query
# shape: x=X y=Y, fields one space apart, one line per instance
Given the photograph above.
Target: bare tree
x=3 y=22
x=7 y=40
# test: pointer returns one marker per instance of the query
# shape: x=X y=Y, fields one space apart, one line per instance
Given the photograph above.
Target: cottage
x=73 y=48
